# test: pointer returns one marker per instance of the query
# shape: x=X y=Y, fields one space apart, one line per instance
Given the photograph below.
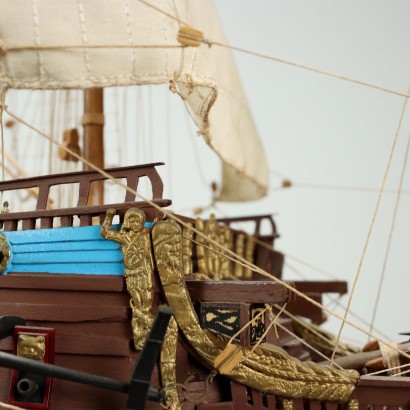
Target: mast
x=93 y=144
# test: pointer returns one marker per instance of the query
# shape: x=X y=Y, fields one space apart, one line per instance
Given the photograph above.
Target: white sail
x=79 y=44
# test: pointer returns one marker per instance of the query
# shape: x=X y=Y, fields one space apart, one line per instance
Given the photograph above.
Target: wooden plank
x=105 y=283
x=383 y=391
x=87 y=210
x=77 y=343
x=61 y=297
x=74 y=268
x=237 y=291
x=94 y=338
x=321 y=286
x=64 y=313
x=76 y=176
x=304 y=308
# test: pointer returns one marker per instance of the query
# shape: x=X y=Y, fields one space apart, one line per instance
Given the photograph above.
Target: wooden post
x=93 y=144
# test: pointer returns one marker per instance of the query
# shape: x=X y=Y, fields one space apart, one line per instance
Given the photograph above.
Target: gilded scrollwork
x=5 y=253
x=168 y=365
x=187 y=245
x=136 y=248
x=268 y=369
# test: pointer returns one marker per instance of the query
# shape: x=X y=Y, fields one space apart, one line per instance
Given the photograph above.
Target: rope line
x=359 y=268
x=392 y=228
x=318 y=352
x=9 y=406
x=232 y=255
x=336 y=301
x=337 y=188
x=272 y=323
x=280 y=60
x=403 y=366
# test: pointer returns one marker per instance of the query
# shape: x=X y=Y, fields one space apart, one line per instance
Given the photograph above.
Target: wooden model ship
x=88 y=311
x=81 y=293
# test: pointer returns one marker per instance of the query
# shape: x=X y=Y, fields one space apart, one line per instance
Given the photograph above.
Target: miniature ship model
x=88 y=290
x=99 y=319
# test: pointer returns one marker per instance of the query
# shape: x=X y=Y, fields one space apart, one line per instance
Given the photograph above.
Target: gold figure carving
x=226 y=240
x=240 y=251
x=187 y=235
x=31 y=347
x=168 y=365
x=249 y=249
x=136 y=248
x=4 y=253
x=212 y=260
x=267 y=369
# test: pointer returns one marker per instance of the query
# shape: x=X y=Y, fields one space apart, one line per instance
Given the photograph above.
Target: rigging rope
x=359 y=268
x=318 y=352
x=337 y=302
x=336 y=188
x=280 y=60
x=392 y=227
x=9 y=406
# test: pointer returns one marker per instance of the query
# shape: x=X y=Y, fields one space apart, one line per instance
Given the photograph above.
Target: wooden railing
x=85 y=213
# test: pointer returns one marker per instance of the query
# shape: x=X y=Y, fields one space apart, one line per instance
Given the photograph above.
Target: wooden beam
x=93 y=144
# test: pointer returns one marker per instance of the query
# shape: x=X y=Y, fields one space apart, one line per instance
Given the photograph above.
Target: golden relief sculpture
x=240 y=251
x=187 y=235
x=212 y=260
x=249 y=250
x=168 y=365
x=135 y=244
x=244 y=247
x=31 y=347
x=267 y=369
x=138 y=262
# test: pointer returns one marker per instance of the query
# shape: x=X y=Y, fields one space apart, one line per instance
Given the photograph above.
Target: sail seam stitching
x=84 y=38
x=129 y=32
x=41 y=70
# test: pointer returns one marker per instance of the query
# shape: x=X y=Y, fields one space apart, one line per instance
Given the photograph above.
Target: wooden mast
x=93 y=144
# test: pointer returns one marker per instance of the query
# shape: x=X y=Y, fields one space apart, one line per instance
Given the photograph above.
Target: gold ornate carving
x=136 y=248
x=168 y=365
x=5 y=253
x=31 y=347
x=287 y=404
x=212 y=261
x=353 y=404
x=240 y=251
x=268 y=369
x=249 y=249
x=187 y=236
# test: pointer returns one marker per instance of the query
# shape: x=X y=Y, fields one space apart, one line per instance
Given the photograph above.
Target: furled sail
x=46 y=44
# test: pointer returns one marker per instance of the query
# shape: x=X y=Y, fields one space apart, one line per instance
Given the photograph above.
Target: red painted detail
x=43 y=398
